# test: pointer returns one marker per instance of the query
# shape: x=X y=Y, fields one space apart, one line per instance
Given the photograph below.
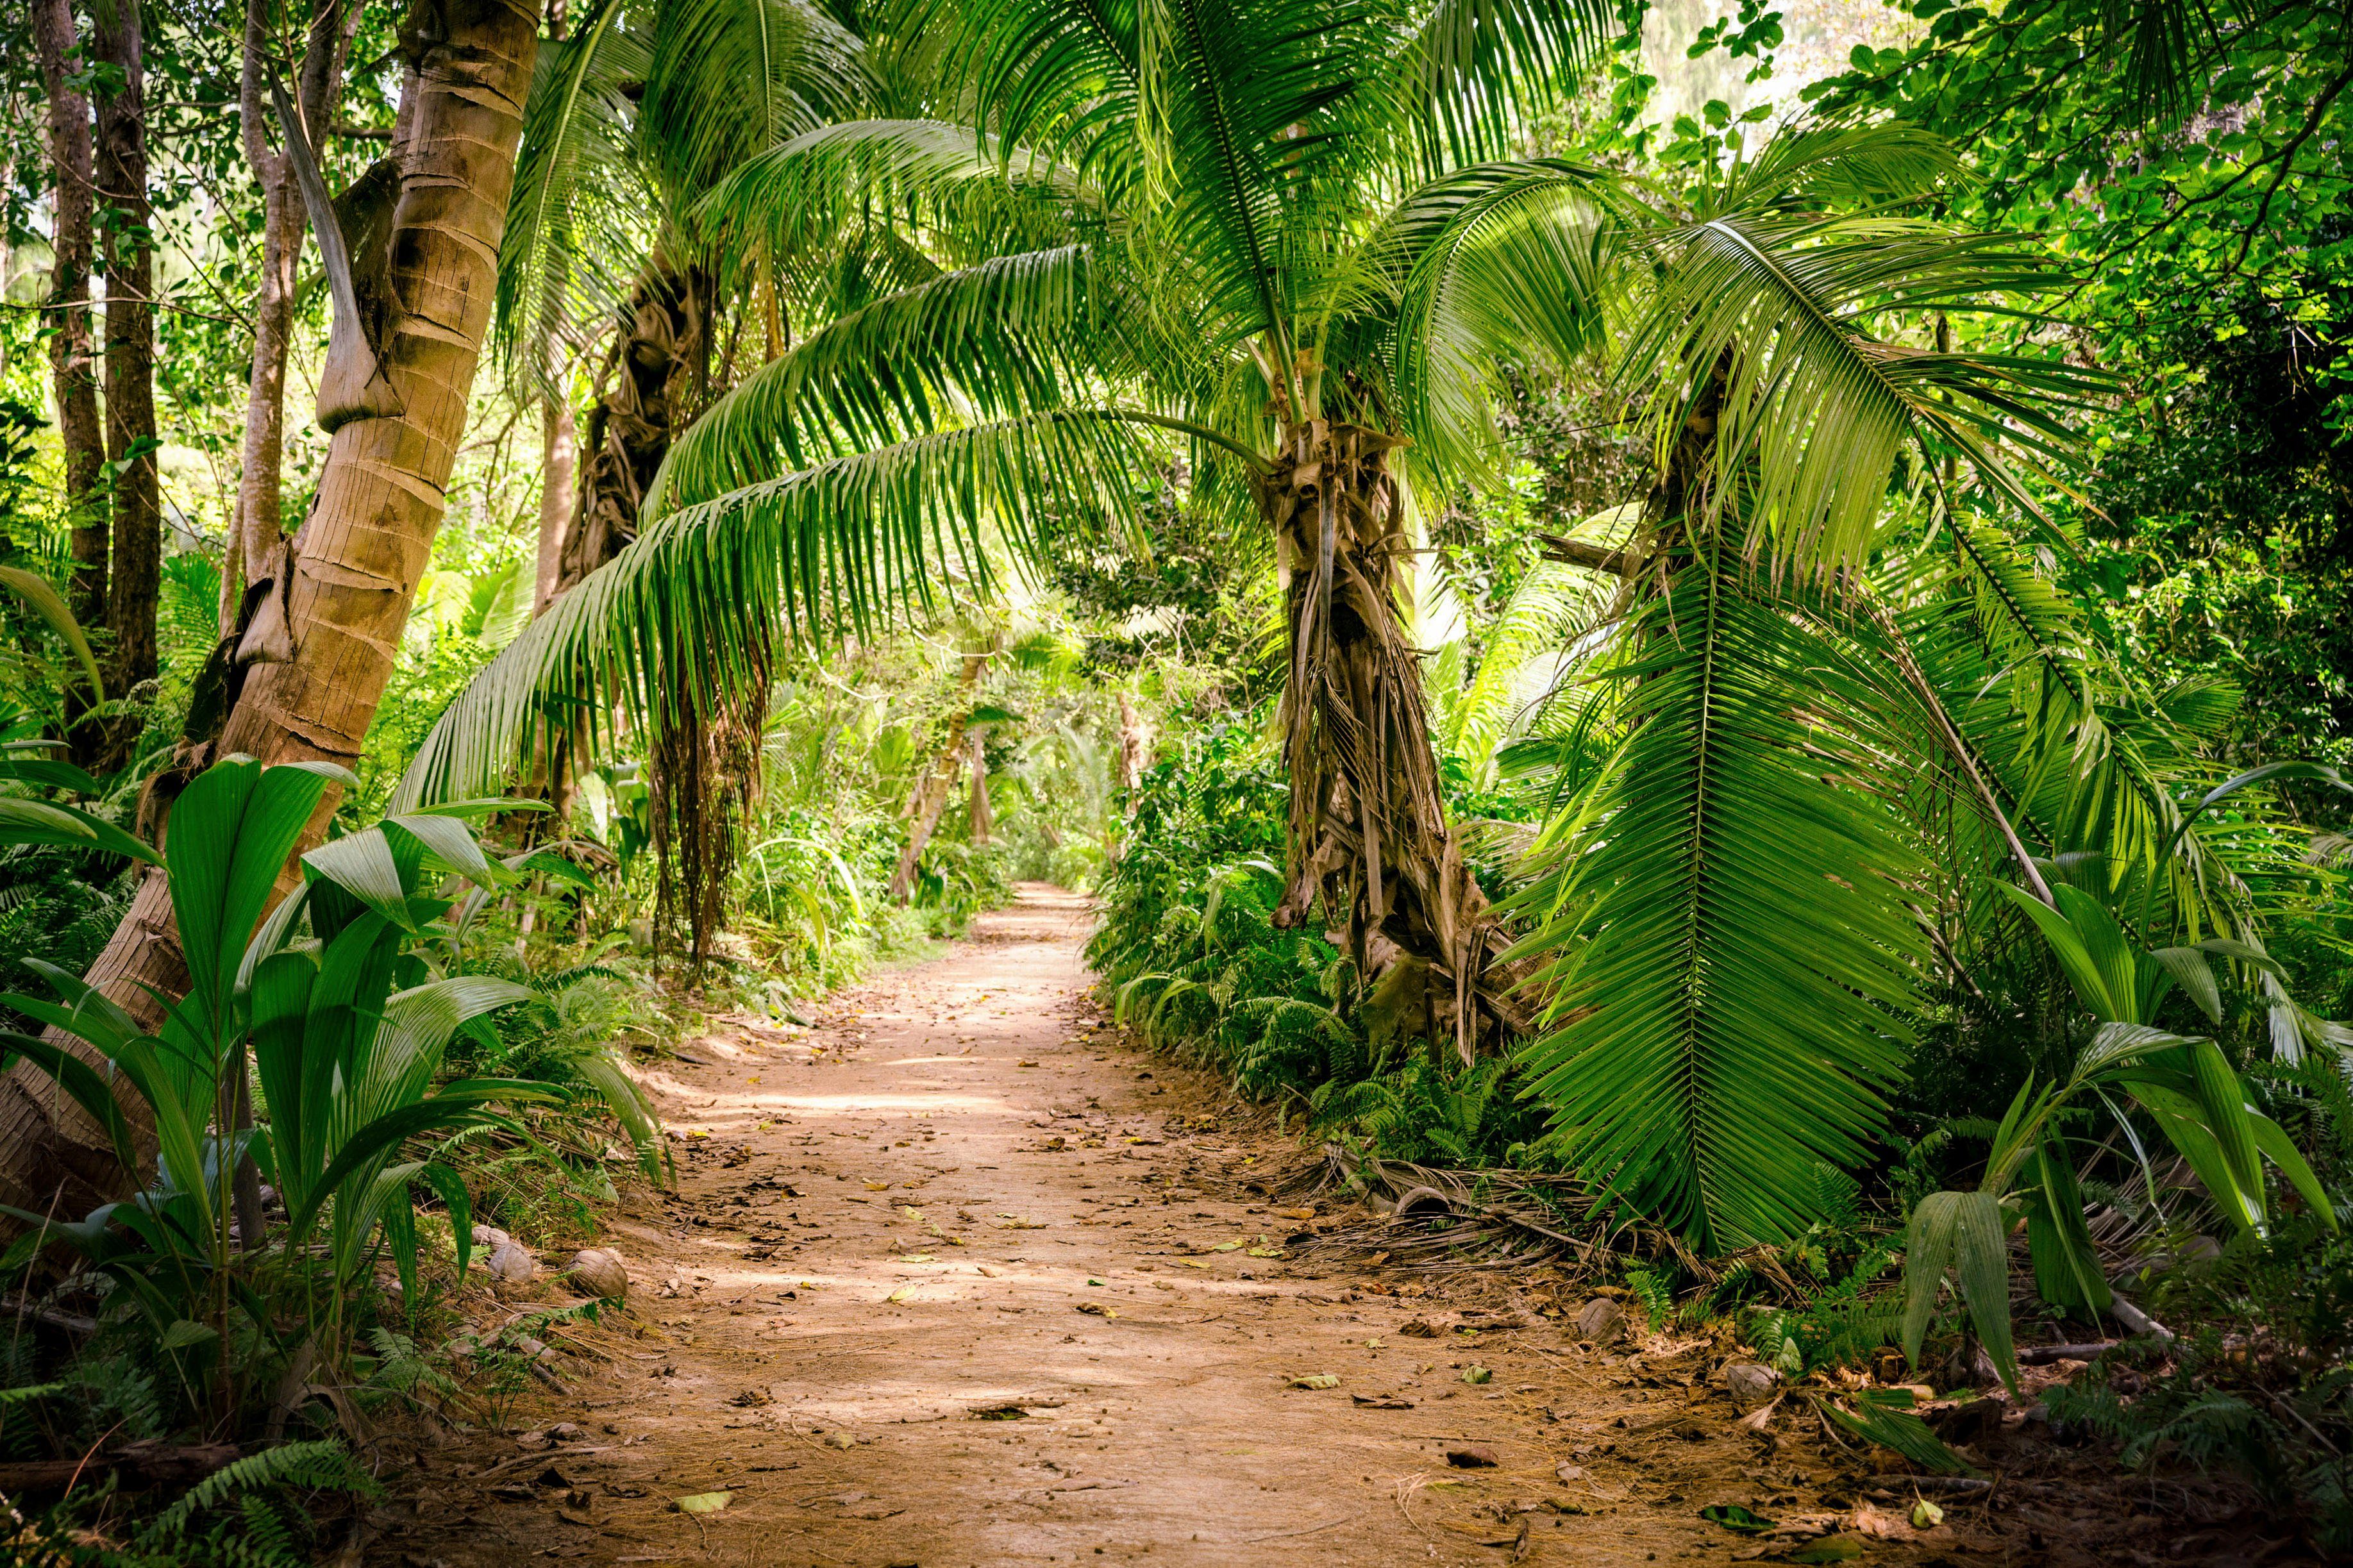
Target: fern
x=321 y=1465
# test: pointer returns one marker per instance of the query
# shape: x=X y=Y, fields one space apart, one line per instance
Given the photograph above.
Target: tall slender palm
x=1298 y=249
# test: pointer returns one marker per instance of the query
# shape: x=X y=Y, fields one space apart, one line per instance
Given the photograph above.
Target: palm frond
x=1815 y=408
x=1732 y=962
x=989 y=341
x=688 y=610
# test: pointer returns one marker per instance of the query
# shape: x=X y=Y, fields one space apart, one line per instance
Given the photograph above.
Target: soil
x=962 y=1275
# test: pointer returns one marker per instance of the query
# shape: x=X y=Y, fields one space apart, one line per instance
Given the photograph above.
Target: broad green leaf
x=232 y=829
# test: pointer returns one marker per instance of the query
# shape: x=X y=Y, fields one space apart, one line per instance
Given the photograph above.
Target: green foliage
x=2260 y=1387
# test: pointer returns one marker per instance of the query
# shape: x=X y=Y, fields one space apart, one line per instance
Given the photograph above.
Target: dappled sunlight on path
x=960 y=1276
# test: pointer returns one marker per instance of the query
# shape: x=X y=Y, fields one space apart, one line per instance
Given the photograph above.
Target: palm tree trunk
x=73 y=358
x=1368 y=834
x=931 y=796
x=314 y=664
x=134 y=577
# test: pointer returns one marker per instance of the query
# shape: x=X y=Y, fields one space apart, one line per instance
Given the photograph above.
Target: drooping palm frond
x=1545 y=612
x=1495 y=268
x=1008 y=336
x=1733 y=966
x=1814 y=408
x=578 y=219
x=1473 y=73
x=688 y=610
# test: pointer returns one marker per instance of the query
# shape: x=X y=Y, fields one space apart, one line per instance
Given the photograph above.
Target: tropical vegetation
x=1748 y=641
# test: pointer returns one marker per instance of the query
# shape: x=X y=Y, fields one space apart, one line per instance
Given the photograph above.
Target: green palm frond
x=576 y=222
x=1473 y=72
x=1815 y=408
x=997 y=338
x=688 y=610
x=1733 y=959
x=1543 y=613
x=1498 y=266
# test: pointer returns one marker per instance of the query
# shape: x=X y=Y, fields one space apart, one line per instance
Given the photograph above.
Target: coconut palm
x=1302 y=252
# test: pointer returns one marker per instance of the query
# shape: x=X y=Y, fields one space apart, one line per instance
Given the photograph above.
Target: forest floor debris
x=851 y=1340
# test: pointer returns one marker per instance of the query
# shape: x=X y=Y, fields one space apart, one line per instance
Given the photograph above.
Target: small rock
x=1600 y=1320
x=565 y=1432
x=1472 y=1458
x=1751 y=1384
x=1571 y=1472
x=488 y=1237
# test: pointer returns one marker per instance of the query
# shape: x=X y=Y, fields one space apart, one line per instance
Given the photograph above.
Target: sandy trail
x=962 y=1192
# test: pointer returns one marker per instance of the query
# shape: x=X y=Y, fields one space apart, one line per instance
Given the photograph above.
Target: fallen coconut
x=600 y=1273
x=511 y=1263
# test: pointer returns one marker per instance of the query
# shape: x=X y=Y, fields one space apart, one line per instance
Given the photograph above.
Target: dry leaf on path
x=701 y=1503
x=1316 y=1380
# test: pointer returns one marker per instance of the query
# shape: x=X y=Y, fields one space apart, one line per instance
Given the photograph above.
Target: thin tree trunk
x=256 y=529
x=931 y=796
x=983 y=821
x=134 y=578
x=1368 y=834
x=315 y=662
x=73 y=357
x=559 y=468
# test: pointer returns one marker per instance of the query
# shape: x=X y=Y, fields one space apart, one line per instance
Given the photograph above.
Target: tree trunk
x=650 y=399
x=134 y=578
x=931 y=796
x=257 y=528
x=314 y=662
x=559 y=466
x=1368 y=834
x=73 y=358
x=977 y=813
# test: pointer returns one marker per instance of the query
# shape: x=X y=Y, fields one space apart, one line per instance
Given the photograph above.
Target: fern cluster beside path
x=961 y=1277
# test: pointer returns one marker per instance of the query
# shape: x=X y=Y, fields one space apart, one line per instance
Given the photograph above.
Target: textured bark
x=654 y=388
x=134 y=576
x=931 y=791
x=315 y=658
x=559 y=482
x=72 y=356
x=1368 y=834
x=256 y=529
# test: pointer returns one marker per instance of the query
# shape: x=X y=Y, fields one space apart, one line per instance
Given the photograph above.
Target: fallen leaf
x=1830 y=1549
x=1192 y=1263
x=1297 y=1214
x=1926 y=1515
x=1227 y=1246
x=918 y=1257
x=1096 y=1310
x=1475 y=1373
x=1382 y=1401
x=878 y=1186
x=1571 y=1472
x=1024 y=1063
x=1471 y=1457
x=1267 y=1252
x=1733 y=1516
x=1418 y=1330
x=842 y=1440
x=1316 y=1380
x=901 y=1294
x=701 y=1503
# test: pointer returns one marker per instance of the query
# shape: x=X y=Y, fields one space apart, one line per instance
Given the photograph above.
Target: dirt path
x=962 y=1194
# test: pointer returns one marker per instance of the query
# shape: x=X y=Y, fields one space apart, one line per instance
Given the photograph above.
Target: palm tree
x=305 y=682
x=1296 y=249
